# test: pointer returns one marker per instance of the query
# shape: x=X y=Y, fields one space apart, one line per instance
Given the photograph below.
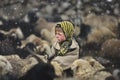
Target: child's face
x=59 y=34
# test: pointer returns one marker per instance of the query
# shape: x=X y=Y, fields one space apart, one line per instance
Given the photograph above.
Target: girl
x=65 y=48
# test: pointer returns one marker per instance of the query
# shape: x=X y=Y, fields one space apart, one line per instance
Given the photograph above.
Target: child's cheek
x=60 y=38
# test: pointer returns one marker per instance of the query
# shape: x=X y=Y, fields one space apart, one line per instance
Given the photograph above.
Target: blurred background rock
x=55 y=10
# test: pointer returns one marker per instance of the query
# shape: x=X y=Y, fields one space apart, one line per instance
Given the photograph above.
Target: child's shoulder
x=74 y=43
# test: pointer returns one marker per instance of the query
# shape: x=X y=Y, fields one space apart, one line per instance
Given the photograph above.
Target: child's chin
x=59 y=40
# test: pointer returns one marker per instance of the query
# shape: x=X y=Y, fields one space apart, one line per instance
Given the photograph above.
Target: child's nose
x=57 y=35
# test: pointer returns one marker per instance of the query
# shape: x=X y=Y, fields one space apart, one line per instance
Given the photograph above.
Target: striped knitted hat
x=68 y=28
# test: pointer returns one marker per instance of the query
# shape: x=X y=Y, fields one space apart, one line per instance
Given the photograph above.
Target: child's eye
x=58 y=33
